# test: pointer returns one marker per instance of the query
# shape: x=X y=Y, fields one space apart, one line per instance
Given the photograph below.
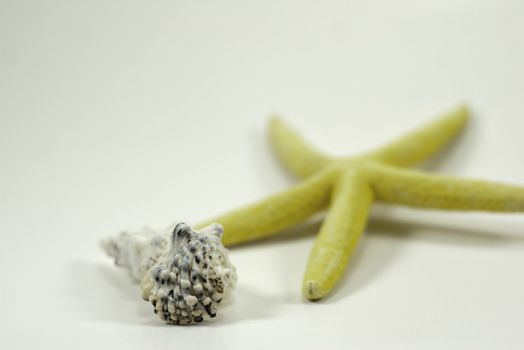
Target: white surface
x=116 y=114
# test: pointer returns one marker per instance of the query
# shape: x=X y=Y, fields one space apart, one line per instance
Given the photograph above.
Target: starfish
x=347 y=187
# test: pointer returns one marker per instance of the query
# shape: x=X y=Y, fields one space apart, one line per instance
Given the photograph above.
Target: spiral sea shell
x=184 y=273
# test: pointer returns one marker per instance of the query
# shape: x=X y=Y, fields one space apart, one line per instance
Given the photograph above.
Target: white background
x=117 y=114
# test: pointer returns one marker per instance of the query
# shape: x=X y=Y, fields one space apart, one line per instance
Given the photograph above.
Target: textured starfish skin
x=349 y=186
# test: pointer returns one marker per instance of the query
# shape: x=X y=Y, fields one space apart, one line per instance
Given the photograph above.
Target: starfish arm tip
x=312 y=290
x=276 y=127
x=423 y=142
x=463 y=112
x=292 y=150
x=274 y=120
x=464 y=107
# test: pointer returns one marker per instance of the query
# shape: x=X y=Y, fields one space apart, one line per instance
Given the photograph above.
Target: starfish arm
x=276 y=212
x=338 y=236
x=295 y=153
x=422 y=143
x=418 y=189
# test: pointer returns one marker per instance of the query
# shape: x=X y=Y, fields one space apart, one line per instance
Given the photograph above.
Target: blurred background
x=117 y=114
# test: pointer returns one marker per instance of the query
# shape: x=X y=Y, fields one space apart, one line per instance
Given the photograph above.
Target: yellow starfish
x=348 y=186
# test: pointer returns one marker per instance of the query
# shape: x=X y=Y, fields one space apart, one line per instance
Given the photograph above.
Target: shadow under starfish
x=347 y=187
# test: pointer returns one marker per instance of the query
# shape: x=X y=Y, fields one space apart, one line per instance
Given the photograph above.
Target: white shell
x=185 y=274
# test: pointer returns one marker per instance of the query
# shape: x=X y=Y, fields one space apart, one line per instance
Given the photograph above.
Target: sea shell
x=185 y=273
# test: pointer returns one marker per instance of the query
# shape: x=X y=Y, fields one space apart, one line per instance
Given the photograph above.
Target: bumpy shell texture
x=184 y=273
